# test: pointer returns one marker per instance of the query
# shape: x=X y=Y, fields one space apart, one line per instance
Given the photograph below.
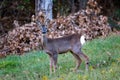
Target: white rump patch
x=82 y=39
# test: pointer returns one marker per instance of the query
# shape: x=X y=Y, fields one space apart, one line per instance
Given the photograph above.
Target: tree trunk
x=73 y=7
x=44 y=5
x=82 y=4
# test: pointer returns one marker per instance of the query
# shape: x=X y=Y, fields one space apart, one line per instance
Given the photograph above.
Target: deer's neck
x=44 y=40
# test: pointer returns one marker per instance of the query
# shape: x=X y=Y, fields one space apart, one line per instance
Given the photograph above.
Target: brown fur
x=71 y=43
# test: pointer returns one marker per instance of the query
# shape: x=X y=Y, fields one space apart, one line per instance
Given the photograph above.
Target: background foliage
x=22 y=10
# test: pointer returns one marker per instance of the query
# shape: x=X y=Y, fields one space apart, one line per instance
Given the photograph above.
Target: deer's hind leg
x=78 y=61
x=77 y=51
x=85 y=57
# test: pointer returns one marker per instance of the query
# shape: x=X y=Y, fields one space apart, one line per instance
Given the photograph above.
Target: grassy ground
x=104 y=57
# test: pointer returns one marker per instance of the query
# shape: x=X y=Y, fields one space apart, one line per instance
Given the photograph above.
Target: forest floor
x=104 y=54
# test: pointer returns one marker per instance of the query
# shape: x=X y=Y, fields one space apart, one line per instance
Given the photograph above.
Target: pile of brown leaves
x=21 y=39
x=28 y=37
x=87 y=21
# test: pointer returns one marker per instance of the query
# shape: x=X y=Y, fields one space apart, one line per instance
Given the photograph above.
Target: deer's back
x=63 y=44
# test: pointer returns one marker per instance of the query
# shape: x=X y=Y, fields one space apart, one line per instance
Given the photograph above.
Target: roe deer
x=72 y=43
x=53 y=47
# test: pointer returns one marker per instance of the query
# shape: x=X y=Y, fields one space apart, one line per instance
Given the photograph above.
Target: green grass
x=104 y=57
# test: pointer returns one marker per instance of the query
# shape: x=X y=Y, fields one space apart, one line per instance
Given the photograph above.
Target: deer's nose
x=44 y=29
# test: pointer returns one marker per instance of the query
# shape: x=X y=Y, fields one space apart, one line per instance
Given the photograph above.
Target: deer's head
x=42 y=21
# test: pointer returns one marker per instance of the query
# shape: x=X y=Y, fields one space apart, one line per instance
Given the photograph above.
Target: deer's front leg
x=51 y=64
x=55 y=56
